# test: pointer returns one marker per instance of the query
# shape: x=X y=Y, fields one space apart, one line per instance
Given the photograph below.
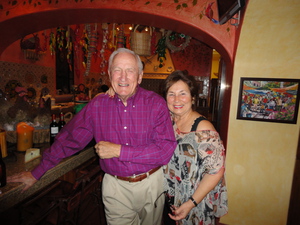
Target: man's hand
x=107 y=150
x=23 y=177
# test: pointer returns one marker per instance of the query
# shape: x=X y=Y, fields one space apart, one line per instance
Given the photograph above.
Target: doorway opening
x=64 y=64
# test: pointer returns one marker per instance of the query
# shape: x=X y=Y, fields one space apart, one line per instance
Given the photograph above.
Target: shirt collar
x=133 y=99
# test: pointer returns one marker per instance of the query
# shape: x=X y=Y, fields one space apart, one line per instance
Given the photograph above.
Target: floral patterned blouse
x=197 y=153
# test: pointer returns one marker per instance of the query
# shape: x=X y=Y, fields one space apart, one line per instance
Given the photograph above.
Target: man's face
x=124 y=75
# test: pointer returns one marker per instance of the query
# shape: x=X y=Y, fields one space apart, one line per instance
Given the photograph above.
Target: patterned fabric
x=198 y=153
x=143 y=128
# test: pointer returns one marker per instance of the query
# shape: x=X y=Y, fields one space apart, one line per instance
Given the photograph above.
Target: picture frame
x=269 y=100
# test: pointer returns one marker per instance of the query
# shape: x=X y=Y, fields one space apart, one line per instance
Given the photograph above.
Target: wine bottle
x=54 y=128
x=2 y=171
x=61 y=122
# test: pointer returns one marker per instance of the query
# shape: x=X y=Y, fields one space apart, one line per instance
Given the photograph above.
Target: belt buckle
x=132 y=177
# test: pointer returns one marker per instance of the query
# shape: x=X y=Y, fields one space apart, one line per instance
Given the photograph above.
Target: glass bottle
x=61 y=122
x=54 y=128
x=2 y=171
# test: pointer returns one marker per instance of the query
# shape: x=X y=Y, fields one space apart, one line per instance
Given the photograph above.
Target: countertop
x=12 y=193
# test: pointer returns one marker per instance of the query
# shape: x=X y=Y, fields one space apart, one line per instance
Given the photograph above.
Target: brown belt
x=136 y=178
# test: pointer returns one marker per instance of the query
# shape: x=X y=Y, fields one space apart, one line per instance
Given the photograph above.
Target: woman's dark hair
x=186 y=78
x=103 y=88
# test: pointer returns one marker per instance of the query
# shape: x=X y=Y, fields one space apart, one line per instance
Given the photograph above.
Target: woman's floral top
x=197 y=153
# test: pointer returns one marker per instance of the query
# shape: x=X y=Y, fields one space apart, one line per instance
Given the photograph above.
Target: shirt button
x=126 y=143
x=125 y=110
x=125 y=128
x=133 y=106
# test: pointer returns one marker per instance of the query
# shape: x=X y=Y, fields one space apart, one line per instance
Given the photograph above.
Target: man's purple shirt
x=143 y=128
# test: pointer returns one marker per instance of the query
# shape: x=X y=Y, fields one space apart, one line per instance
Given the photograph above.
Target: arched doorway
x=30 y=23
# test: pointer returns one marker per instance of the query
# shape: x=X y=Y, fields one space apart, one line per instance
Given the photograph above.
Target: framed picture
x=269 y=100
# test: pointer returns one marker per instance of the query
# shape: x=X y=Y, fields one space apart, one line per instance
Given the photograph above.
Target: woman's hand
x=181 y=212
x=23 y=177
x=110 y=92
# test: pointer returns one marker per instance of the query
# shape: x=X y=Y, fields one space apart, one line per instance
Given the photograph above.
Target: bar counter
x=12 y=193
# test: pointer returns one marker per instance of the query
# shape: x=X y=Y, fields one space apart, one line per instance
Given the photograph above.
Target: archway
x=20 y=26
x=29 y=23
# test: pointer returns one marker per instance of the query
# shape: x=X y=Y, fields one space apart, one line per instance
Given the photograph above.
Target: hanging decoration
x=120 y=40
x=76 y=46
x=94 y=42
x=69 y=47
x=52 y=43
x=87 y=55
x=84 y=42
x=161 y=50
x=111 y=44
x=153 y=42
x=104 y=47
x=141 y=41
x=31 y=47
x=60 y=38
x=172 y=36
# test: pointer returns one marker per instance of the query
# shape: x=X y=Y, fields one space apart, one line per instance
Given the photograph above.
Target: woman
x=194 y=183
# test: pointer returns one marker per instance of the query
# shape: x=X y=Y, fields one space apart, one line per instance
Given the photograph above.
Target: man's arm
x=71 y=139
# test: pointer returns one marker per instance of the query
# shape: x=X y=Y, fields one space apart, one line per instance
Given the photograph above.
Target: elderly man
x=134 y=138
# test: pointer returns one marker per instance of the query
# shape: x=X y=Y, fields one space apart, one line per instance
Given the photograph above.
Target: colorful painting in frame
x=269 y=100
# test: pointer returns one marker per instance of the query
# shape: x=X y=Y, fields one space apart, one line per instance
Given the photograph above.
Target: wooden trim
x=155 y=76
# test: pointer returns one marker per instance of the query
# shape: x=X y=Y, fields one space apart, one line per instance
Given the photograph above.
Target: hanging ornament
x=76 y=42
x=104 y=47
x=170 y=36
x=60 y=38
x=111 y=44
x=161 y=51
x=84 y=42
x=69 y=48
x=153 y=41
x=120 y=40
x=52 y=43
x=93 y=42
x=76 y=46
x=88 y=53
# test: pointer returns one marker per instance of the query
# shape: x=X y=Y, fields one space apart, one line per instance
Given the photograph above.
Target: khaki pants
x=133 y=203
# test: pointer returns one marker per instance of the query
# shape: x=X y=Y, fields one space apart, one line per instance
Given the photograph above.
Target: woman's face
x=179 y=98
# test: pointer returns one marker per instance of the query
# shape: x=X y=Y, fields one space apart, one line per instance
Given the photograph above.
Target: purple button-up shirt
x=143 y=128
